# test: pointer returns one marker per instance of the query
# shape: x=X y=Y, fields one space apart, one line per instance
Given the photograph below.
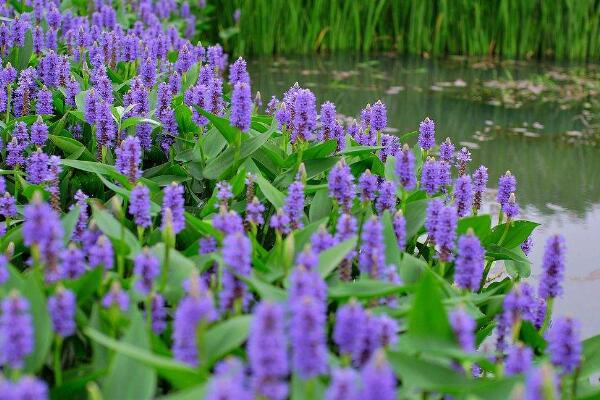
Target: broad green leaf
x=591 y=357
x=222 y=125
x=272 y=194
x=130 y=378
x=502 y=253
x=180 y=375
x=320 y=206
x=392 y=251
x=116 y=232
x=180 y=269
x=265 y=290
x=480 y=224
x=72 y=146
x=415 y=216
x=518 y=232
x=225 y=337
x=133 y=121
x=68 y=223
x=42 y=328
x=193 y=393
x=329 y=259
x=365 y=289
x=319 y=165
x=427 y=318
x=216 y=167
x=411 y=268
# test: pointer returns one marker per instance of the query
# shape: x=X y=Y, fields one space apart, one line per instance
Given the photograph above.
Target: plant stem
x=548 y=316
x=57 y=361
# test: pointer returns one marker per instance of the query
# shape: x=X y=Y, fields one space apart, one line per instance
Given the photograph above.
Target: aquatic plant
x=163 y=237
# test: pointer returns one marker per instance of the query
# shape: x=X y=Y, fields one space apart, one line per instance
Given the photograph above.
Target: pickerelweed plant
x=161 y=236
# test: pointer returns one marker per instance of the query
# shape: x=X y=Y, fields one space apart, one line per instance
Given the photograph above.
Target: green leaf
x=130 y=378
x=90 y=166
x=502 y=253
x=225 y=337
x=132 y=121
x=180 y=375
x=32 y=290
x=411 y=268
x=265 y=290
x=224 y=161
x=415 y=216
x=319 y=165
x=180 y=269
x=591 y=357
x=71 y=146
x=365 y=289
x=481 y=225
x=320 y=206
x=272 y=194
x=69 y=222
x=333 y=256
x=222 y=125
x=518 y=232
x=427 y=319
x=392 y=251
x=116 y=232
x=193 y=393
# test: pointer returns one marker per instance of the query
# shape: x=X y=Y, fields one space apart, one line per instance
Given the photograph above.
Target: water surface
x=558 y=182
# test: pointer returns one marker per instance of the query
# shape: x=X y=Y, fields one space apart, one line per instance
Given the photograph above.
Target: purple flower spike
x=29 y=387
x=507 y=184
x=308 y=336
x=237 y=256
x=463 y=195
x=345 y=385
x=146 y=269
x=72 y=262
x=447 y=151
x=241 y=106
x=194 y=309
x=173 y=200
x=527 y=245
x=405 y=168
x=379 y=382
x=44 y=102
x=16 y=331
x=553 y=268
x=464 y=328
x=39 y=132
x=378 y=116
x=139 y=206
x=238 y=72
x=463 y=157
x=129 y=158
x=564 y=344
x=432 y=216
x=399 y=224
x=328 y=121
x=427 y=134
x=341 y=185
x=349 y=318
x=469 y=262
x=101 y=253
x=367 y=184
x=518 y=360
x=267 y=352
x=305 y=115
x=372 y=255
x=294 y=204
x=158 y=313
x=387 y=197
x=511 y=209
x=116 y=298
x=430 y=176
x=480 y=178
x=254 y=212
x=445 y=233
x=62 y=308
x=321 y=240
x=540 y=384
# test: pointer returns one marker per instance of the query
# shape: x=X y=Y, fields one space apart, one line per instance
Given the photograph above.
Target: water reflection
x=558 y=182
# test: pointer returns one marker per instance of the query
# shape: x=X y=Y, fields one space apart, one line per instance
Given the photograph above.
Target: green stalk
x=8 y=102
x=548 y=316
x=57 y=361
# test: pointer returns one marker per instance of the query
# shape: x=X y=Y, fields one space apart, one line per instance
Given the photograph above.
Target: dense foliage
x=162 y=237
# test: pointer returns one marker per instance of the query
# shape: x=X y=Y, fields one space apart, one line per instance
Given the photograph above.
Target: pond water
x=517 y=116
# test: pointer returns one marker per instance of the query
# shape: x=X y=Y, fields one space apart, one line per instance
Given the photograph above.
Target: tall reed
x=561 y=29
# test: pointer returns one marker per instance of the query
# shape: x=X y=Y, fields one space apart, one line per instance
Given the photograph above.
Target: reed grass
x=560 y=29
